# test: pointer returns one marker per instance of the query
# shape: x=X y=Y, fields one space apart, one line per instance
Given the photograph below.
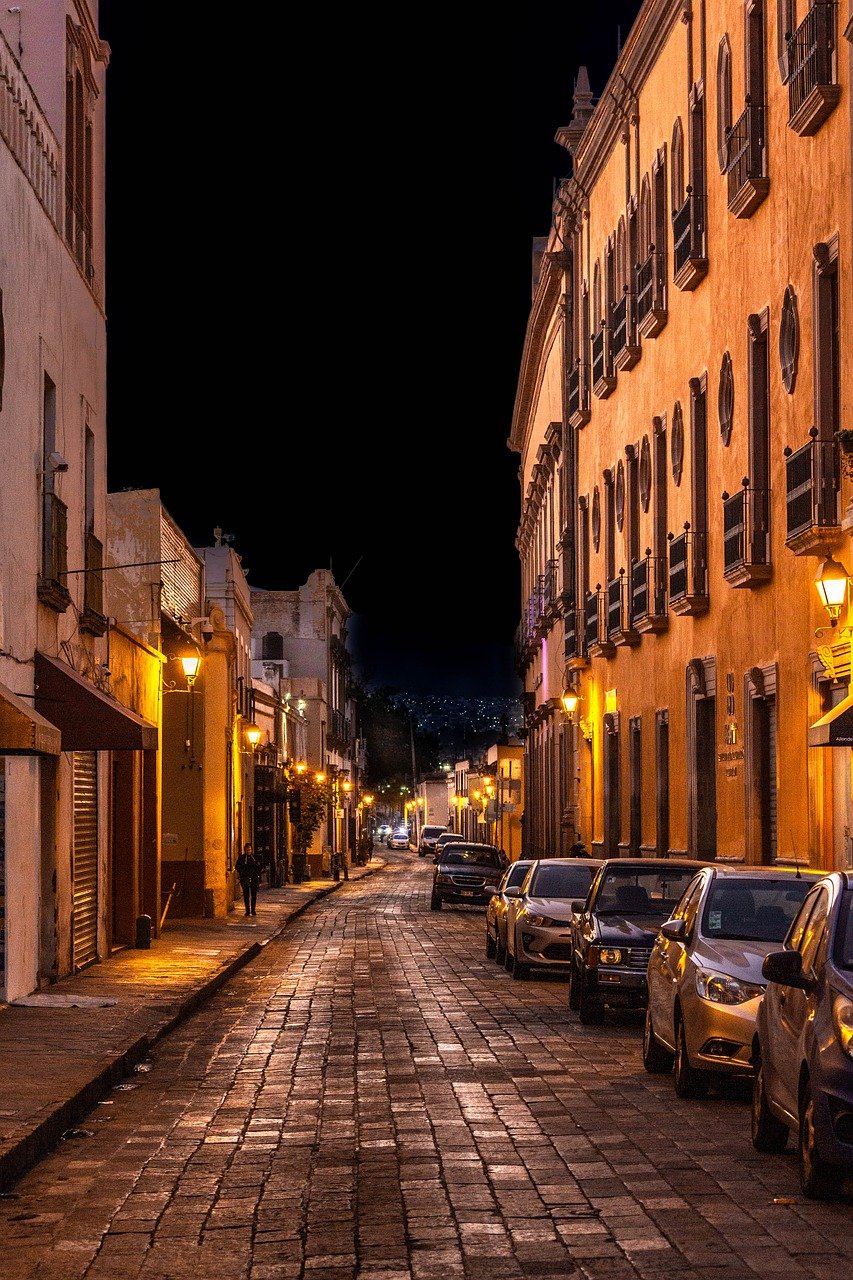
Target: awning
x=88 y=719
x=835 y=729
x=23 y=731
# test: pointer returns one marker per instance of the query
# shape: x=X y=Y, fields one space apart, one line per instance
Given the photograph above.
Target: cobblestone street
x=372 y=1098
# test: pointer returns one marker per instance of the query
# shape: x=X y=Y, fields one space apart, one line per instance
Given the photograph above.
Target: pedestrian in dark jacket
x=249 y=871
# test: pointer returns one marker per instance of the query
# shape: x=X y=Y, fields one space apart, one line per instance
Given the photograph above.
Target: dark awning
x=23 y=731
x=835 y=729
x=88 y=719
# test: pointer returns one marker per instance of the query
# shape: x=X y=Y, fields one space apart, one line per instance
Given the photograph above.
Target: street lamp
x=253 y=735
x=832 y=580
x=191 y=663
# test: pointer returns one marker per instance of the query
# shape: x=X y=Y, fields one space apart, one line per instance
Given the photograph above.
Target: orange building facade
x=680 y=417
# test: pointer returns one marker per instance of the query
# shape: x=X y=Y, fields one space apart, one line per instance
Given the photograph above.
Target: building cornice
x=545 y=301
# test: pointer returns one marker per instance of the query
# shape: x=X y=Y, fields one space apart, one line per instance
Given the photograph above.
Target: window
x=272 y=647
x=677 y=174
x=789 y=339
x=786 y=21
x=78 y=161
x=726 y=399
x=662 y=784
x=827 y=383
x=635 y=744
x=724 y=101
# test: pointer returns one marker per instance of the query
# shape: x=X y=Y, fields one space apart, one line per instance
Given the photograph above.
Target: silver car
x=704 y=972
x=539 y=914
x=497 y=908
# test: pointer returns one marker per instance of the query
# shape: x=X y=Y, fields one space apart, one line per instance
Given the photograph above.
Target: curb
x=44 y=1136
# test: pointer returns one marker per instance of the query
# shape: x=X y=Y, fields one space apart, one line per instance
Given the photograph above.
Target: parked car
x=613 y=936
x=496 y=909
x=398 y=839
x=704 y=973
x=466 y=873
x=447 y=837
x=539 y=914
x=803 y=1044
x=429 y=835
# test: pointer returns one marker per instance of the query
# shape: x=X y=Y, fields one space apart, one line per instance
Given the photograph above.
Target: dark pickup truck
x=612 y=938
x=467 y=874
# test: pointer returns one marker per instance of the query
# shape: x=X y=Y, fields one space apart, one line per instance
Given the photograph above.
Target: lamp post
x=832 y=581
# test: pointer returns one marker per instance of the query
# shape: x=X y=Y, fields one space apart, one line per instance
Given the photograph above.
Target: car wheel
x=819 y=1180
x=574 y=988
x=435 y=902
x=490 y=946
x=689 y=1083
x=590 y=1008
x=768 y=1132
x=657 y=1059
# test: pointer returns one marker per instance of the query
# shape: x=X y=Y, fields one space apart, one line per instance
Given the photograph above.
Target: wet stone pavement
x=372 y=1098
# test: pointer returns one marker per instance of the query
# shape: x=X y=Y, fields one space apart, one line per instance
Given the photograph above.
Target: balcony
x=746 y=537
x=51 y=588
x=626 y=348
x=690 y=263
x=813 y=91
x=578 y=395
x=688 y=573
x=92 y=619
x=648 y=591
x=811 y=499
x=746 y=168
x=651 y=294
x=598 y=644
x=620 y=626
x=603 y=377
x=575 y=640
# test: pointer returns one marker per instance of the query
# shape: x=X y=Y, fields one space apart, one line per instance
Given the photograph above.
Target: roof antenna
x=796 y=859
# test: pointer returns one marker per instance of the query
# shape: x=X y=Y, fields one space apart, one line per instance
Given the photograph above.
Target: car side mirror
x=512 y=891
x=786 y=968
x=675 y=930
x=578 y=904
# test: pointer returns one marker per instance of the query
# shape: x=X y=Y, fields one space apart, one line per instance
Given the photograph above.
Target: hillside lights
x=831 y=581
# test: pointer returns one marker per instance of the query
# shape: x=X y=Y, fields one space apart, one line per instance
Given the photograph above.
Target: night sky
x=318 y=280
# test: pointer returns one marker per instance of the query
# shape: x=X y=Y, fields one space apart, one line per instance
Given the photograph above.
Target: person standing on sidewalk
x=249 y=870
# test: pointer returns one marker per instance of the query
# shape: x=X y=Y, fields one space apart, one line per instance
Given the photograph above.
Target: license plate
x=466 y=893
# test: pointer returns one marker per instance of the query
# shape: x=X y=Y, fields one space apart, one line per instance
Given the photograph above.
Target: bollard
x=143 y=932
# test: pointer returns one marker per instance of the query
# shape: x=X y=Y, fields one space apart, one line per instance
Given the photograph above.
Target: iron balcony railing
x=688 y=571
x=599 y=356
x=648 y=588
x=688 y=230
x=620 y=320
x=591 y=611
x=54 y=563
x=745 y=149
x=575 y=638
x=746 y=537
x=619 y=603
x=810 y=54
x=810 y=481
x=578 y=389
x=646 y=286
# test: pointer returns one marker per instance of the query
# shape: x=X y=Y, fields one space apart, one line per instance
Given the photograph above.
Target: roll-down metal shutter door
x=773 y=797
x=85 y=858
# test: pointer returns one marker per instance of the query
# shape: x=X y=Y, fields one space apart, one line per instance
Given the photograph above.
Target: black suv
x=612 y=938
x=467 y=873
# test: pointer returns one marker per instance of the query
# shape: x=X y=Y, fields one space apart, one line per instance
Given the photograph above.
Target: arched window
x=621 y=259
x=272 y=647
x=597 y=314
x=646 y=230
x=724 y=101
x=677 y=169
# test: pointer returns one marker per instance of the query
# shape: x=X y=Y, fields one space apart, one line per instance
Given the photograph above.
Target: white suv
x=429 y=835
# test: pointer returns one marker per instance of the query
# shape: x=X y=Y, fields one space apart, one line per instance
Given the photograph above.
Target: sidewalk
x=62 y=1048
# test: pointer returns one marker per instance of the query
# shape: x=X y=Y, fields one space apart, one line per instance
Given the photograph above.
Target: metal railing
x=590 y=620
x=646 y=290
x=619 y=602
x=810 y=482
x=599 y=355
x=688 y=570
x=620 y=325
x=810 y=54
x=688 y=230
x=746 y=539
x=648 y=588
x=745 y=149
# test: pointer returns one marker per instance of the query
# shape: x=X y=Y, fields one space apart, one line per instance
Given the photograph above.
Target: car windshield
x=570 y=881
x=756 y=910
x=471 y=857
x=633 y=892
x=429 y=833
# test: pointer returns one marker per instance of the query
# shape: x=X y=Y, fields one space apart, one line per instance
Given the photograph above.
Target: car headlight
x=842 y=1017
x=722 y=988
x=538 y=922
x=611 y=955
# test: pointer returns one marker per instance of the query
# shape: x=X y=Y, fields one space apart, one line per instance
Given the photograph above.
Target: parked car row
x=743 y=972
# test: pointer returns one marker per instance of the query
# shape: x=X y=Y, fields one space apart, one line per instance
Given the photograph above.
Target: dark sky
x=319 y=245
